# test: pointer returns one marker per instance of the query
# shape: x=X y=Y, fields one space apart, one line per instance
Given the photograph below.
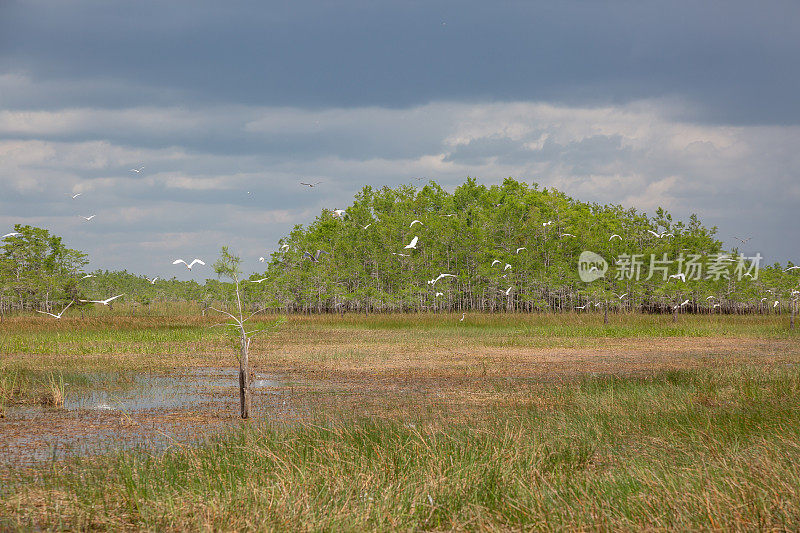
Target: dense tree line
x=510 y=247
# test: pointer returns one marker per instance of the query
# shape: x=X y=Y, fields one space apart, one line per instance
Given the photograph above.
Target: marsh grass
x=710 y=449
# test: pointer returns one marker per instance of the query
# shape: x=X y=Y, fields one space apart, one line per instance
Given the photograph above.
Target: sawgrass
x=705 y=449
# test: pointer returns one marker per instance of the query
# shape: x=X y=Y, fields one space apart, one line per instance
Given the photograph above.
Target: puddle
x=191 y=389
x=152 y=411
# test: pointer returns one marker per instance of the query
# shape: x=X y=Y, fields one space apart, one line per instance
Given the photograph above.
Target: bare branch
x=226 y=313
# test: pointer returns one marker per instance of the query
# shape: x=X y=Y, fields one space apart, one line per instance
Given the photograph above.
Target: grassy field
x=424 y=422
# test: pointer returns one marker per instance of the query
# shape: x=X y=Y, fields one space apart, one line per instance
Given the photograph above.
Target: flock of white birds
x=340 y=213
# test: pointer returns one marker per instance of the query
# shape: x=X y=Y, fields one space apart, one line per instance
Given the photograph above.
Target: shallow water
x=123 y=412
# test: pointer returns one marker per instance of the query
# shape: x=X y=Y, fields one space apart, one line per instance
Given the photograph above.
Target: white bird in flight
x=338 y=213
x=89 y=217
x=412 y=244
x=440 y=276
x=104 y=302
x=152 y=281
x=621 y=296
x=261 y=259
x=310 y=184
x=548 y=223
x=256 y=280
x=189 y=265
x=506 y=267
x=791 y=268
x=743 y=241
x=138 y=170
x=567 y=235
x=88 y=276
x=12 y=234
x=368 y=225
x=660 y=235
x=438 y=294
x=582 y=306
x=508 y=290
x=615 y=235
x=710 y=297
x=681 y=276
x=520 y=249
x=401 y=255
x=451 y=215
x=415 y=222
x=775 y=304
x=75 y=195
x=495 y=262
x=284 y=247
x=59 y=314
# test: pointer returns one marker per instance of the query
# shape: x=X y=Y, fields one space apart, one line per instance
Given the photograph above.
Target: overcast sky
x=693 y=106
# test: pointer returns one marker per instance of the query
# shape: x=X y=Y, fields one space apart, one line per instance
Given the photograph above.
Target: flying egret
x=508 y=290
x=89 y=217
x=621 y=296
x=615 y=235
x=59 y=314
x=88 y=276
x=310 y=184
x=338 y=213
x=256 y=280
x=104 y=302
x=462 y=317
x=506 y=267
x=775 y=304
x=520 y=249
x=747 y=274
x=660 y=235
x=401 y=255
x=743 y=241
x=284 y=247
x=12 y=234
x=415 y=222
x=152 y=281
x=75 y=195
x=681 y=276
x=137 y=170
x=189 y=265
x=567 y=235
x=438 y=294
x=762 y=300
x=495 y=262
x=413 y=244
x=715 y=306
x=582 y=306
x=791 y=268
x=451 y=215
x=368 y=225
x=261 y=259
x=710 y=297
x=548 y=223
x=440 y=276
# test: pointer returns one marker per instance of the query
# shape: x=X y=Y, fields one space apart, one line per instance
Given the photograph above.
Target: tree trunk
x=605 y=313
x=675 y=314
x=791 y=317
x=244 y=380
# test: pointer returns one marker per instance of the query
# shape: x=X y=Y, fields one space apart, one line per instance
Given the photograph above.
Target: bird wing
x=46 y=313
x=199 y=262
x=653 y=232
x=178 y=261
x=413 y=242
x=112 y=298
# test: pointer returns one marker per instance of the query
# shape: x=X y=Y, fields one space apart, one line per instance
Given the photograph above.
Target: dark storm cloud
x=734 y=60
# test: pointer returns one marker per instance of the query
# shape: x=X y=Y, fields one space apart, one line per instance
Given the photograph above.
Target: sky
x=692 y=106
